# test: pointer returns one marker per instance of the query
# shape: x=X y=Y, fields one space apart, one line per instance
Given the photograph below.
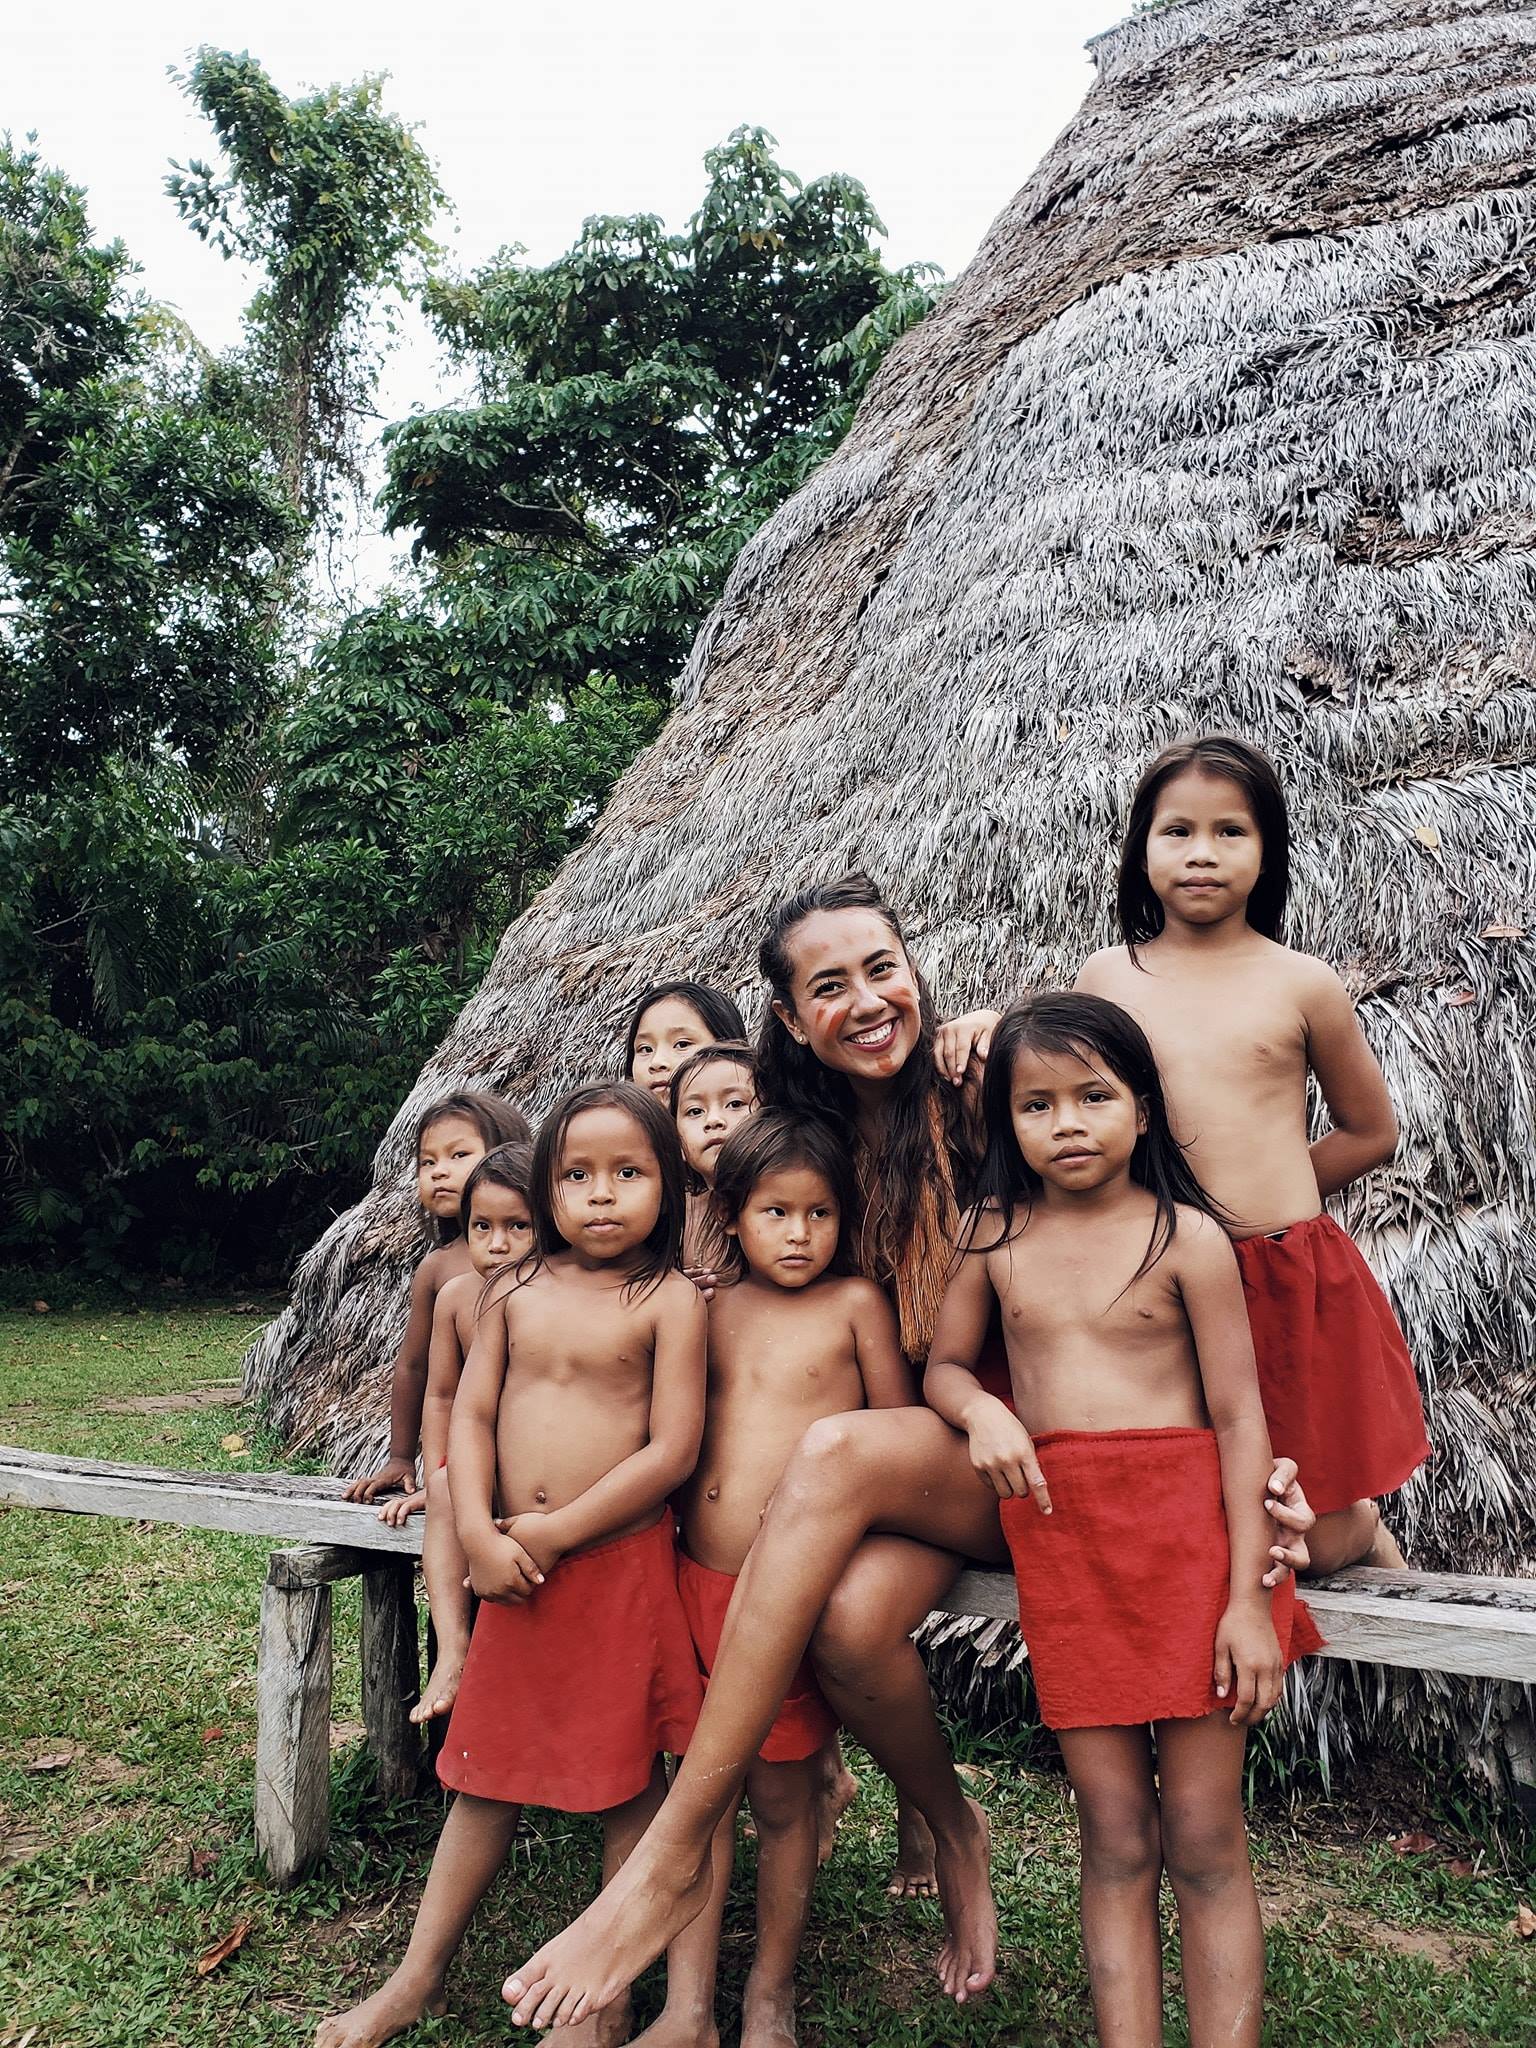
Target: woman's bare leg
x=444 y=1568
x=1117 y=1815
x=1205 y=1851
x=900 y=1470
x=470 y=1850
x=877 y=1685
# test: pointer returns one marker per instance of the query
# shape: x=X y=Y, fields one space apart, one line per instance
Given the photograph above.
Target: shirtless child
x=580 y=1410
x=1238 y=1022
x=498 y=1232
x=794 y=1335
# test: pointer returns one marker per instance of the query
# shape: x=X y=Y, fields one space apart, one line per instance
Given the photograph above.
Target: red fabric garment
x=568 y=1698
x=1340 y=1393
x=805 y=1721
x=1121 y=1630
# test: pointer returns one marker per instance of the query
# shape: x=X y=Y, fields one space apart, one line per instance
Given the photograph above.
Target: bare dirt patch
x=220 y=1394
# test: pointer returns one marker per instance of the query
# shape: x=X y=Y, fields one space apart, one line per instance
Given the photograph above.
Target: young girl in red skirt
x=580 y=1410
x=1133 y=1380
x=1238 y=1023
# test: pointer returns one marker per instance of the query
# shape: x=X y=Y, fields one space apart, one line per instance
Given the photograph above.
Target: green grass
x=130 y=1651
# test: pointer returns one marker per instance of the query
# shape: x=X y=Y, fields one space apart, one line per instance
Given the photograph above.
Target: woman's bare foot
x=768 y=2015
x=593 y=1962
x=834 y=1795
x=968 y=1960
x=396 y=2005
x=913 y=1877
x=442 y=1688
x=673 y=2029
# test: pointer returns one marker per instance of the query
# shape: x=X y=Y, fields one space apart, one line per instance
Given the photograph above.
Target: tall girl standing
x=1239 y=1022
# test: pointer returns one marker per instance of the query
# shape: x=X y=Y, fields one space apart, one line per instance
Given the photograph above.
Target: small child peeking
x=496 y=1215
x=795 y=1335
x=1133 y=1378
x=580 y=1409
x=713 y=1091
x=669 y=1021
x=452 y=1136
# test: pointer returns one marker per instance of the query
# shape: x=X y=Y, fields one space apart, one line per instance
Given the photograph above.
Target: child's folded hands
x=500 y=1568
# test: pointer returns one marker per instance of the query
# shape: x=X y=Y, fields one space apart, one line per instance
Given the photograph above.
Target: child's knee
x=782 y=1796
x=1204 y=1847
x=1122 y=1844
x=1344 y=1537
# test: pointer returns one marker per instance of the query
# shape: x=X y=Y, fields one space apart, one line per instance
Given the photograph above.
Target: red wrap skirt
x=805 y=1722
x=1340 y=1393
x=568 y=1697
x=1123 y=1585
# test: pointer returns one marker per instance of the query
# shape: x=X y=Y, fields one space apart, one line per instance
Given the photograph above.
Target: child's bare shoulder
x=853 y=1295
x=1103 y=970
x=442 y=1264
x=678 y=1298
x=1200 y=1244
x=456 y=1293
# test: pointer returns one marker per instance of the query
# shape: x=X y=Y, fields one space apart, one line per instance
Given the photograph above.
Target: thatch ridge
x=1229 y=422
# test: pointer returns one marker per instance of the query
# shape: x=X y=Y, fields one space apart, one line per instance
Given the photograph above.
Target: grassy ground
x=125 y=1807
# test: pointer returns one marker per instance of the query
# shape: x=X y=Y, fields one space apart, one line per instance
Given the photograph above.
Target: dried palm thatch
x=1229 y=423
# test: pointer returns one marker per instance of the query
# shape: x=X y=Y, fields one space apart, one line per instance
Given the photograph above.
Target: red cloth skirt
x=805 y=1722
x=568 y=1697
x=1340 y=1393
x=1123 y=1585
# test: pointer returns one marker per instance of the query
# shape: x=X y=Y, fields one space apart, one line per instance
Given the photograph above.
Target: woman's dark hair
x=730 y=1052
x=663 y=1248
x=908 y=1176
x=778 y=1141
x=1239 y=761
x=1103 y=1036
x=504 y=1166
x=498 y=1121
x=716 y=1012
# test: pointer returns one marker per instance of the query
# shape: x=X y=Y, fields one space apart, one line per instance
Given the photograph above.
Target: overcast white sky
x=538 y=114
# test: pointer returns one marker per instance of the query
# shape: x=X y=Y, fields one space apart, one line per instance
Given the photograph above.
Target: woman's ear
x=786 y=1017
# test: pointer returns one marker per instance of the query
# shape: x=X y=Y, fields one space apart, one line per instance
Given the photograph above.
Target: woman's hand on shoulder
x=962 y=1041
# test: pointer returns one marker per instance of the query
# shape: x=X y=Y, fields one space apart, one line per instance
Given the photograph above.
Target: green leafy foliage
x=647 y=400
x=250 y=887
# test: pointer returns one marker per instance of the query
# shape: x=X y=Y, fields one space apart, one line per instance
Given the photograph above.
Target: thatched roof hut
x=1229 y=422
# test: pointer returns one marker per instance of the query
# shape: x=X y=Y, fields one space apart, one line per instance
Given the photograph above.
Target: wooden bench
x=1418 y=1621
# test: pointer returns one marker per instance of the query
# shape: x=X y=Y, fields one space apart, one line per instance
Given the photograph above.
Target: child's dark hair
x=1239 y=761
x=504 y=1166
x=716 y=1012
x=778 y=1141
x=498 y=1121
x=663 y=1248
x=1101 y=1035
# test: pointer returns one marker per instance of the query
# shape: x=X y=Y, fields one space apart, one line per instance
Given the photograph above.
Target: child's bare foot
x=442 y=1688
x=593 y=1962
x=768 y=2015
x=673 y=2029
x=606 y=2029
x=834 y=1795
x=396 y=2005
x=913 y=1877
x=968 y=1960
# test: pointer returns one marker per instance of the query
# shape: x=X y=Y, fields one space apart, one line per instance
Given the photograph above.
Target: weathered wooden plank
x=391 y=1675
x=316 y=1564
x=1480 y=1627
x=293 y=1730
x=298 y=1485
x=205 y=1502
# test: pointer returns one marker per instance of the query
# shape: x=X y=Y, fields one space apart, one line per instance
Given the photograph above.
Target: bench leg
x=391 y=1675
x=293 y=1729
